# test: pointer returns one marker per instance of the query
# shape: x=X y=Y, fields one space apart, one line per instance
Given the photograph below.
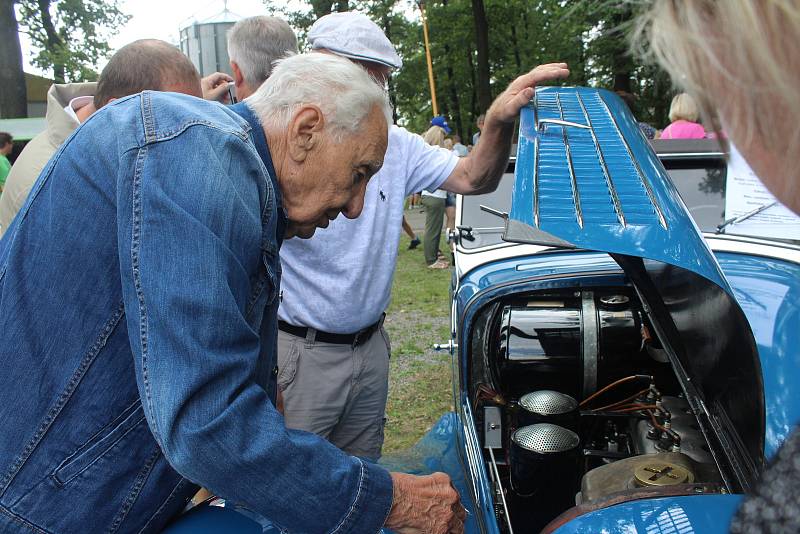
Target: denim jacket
x=138 y=296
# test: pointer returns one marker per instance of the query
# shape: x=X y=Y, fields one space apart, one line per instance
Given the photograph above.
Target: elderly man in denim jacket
x=138 y=296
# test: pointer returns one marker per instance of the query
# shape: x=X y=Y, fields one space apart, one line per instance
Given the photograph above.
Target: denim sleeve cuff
x=372 y=504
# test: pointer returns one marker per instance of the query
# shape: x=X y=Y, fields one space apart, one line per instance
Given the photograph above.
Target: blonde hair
x=735 y=56
x=434 y=136
x=683 y=107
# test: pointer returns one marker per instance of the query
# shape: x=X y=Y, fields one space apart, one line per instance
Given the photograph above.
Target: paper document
x=745 y=193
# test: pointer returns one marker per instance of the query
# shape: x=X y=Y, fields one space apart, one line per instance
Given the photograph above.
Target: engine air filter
x=547 y=406
x=544 y=438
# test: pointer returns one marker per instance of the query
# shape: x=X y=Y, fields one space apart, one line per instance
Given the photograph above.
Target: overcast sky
x=163 y=19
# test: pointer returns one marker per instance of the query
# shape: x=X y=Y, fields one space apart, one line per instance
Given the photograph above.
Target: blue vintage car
x=620 y=365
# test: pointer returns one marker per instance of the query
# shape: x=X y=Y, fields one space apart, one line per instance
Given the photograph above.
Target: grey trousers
x=336 y=391
x=434 y=218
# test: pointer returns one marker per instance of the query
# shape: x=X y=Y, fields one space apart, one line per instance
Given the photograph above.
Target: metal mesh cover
x=546 y=402
x=545 y=438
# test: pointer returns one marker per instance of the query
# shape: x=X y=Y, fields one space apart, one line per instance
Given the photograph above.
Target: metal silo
x=205 y=42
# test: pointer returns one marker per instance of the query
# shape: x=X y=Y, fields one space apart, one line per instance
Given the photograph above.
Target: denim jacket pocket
x=99 y=444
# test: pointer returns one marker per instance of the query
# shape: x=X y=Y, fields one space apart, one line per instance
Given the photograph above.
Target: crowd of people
x=224 y=286
x=183 y=307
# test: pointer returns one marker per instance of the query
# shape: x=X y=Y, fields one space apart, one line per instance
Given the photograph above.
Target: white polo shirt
x=340 y=280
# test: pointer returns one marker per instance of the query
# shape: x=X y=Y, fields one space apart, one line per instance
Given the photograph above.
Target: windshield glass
x=487 y=229
x=701 y=184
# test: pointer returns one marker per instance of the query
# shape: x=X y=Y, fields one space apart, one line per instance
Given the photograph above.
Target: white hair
x=343 y=90
x=255 y=43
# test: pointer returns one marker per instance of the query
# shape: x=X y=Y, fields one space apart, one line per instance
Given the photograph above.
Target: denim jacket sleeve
x=189 y=228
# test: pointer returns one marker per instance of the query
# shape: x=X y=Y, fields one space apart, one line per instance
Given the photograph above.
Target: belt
x=329 y=337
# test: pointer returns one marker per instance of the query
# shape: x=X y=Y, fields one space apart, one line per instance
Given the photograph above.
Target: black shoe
x=414 y=243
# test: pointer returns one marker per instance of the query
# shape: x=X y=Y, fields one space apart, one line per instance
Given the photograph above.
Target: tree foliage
x=71 y=36
x=589 y=35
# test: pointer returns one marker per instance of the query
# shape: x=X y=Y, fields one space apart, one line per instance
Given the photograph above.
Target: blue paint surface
x=437 y=451
x=704 y=514
x=627 y=206
x=768 y=291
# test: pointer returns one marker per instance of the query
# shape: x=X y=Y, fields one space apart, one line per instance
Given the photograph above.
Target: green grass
x=420 y=379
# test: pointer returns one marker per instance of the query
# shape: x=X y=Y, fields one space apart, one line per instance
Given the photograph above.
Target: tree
x=479 y=46
x=71 y=35
x=13 y=100
x=482 y=44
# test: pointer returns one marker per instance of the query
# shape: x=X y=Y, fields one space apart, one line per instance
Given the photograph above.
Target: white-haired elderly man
x=143 y=344
x=333 y=352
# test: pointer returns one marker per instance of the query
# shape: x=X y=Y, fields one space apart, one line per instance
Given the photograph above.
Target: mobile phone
x=231 y=93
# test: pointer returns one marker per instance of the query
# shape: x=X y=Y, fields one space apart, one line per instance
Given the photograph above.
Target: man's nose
x=355 y=205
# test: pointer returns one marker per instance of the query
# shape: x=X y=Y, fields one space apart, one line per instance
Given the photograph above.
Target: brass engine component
x=659 y=473
x=646 y=470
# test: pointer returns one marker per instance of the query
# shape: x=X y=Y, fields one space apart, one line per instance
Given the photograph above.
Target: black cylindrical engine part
x=544 y=465
x=543 y=456
x=546 y=406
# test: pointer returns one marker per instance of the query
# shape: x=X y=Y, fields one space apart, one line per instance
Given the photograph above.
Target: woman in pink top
x=683 y=119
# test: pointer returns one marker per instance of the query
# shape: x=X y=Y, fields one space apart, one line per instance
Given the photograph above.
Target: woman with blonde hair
x=434 y=204
x=738 y=61
x=683 y=117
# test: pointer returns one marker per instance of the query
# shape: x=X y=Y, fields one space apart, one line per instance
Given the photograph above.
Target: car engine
x=578 y=407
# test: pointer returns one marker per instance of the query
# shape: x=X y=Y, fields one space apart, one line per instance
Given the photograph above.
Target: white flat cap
x=355 y=36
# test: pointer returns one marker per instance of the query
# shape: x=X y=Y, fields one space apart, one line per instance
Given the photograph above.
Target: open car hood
x=587 y=178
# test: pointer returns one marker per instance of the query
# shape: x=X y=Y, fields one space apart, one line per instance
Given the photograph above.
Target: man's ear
x=238 y=77
x=305 y=131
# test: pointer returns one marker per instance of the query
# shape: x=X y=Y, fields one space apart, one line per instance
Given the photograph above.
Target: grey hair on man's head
x=343 y=90
x=255 y=43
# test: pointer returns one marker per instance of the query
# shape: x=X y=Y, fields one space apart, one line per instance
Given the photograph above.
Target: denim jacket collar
x=260 y=142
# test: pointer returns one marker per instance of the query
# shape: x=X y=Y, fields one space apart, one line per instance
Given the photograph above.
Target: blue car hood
x=598 y=185
x=587 y=178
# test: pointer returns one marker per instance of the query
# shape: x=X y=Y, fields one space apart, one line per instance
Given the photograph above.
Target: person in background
x=460 y=150
x=140 y=65
x=415 y=241
x=734 y=58
x=6 y=146
x=479 y=123
x=630 y=100
x=333 y=349
x=683 y=116
x=254 y=44
x=435 y=203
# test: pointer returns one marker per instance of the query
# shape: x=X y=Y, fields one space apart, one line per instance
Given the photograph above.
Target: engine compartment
x=577 y=407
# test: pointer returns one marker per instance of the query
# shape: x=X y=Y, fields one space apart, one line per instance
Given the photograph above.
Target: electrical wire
x=486 y=393
x=610 y=407
x=675 y=436
x=625 y=408
x=613 y=385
